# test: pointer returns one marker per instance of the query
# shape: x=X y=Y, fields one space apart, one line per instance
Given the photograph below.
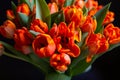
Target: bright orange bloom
x=80 y=3
x=23 y=8
x=65 y=40
x=39 y=26
x=109 y=17
x=7 y=29
x=97 y=43
x=112 y=33
x=92 y=4
x=89 y=25
x=75 y=14
x=10 y=14
x=53 y=7
x=60 y=61
x=54 y=31
x=23 y=39
x=43 y=45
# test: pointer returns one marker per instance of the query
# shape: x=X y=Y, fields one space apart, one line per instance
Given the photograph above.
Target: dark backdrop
x=104 y=68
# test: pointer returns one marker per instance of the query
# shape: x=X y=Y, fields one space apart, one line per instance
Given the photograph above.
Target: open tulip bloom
x=62 y=38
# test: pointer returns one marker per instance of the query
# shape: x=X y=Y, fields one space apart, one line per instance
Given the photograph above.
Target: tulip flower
x=65 y=40
x=53 y=7
x=23 y=39
x=43 y=45
x=90 y=24
x=10 y=14
x=75 y=14
x=97 y=44
x=112 y=33
x=23 y=8
x=39 y=26
x=109 y=17
x=7 y=29
x=60 y=61
x=80 y=3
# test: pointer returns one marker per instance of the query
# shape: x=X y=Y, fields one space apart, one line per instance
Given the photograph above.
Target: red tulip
x=23 y=39
x=23 y=8
x=112 y=33
x=60 y=61
x=39 y=26
x=7 y=29
x=43 y=45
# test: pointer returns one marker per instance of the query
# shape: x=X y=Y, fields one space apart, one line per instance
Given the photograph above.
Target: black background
x=106 y=67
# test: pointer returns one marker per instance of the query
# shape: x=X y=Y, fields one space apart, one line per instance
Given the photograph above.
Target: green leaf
x=113 y=46
x=68 y=2
x=57 y=76
x=82 y=56
x=31 y=58
x=57 y=17
x=43 y=12
x=13 y=7
x=34 y=32
x=82 y=42
x=30 y=4
x=85 y=11
x=100 y=15
x=81 y=67
x=45 y=65
x=24 y=19
x=13 y=50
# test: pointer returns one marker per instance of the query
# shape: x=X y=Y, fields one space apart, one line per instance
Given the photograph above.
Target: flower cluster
x=64 y=33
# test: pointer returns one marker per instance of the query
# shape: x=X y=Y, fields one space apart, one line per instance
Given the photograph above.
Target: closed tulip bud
x=23 y=8
x=7 y=29
x=90 y=24
x=53 y=7
x=60 y=61
x=10 y=14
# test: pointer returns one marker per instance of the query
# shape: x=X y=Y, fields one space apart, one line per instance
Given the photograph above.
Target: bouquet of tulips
x=62 y=38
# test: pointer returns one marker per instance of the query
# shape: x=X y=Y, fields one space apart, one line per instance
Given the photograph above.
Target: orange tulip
x=10 y=14
x=80 y=3
x=23 y=8
x=7 y=29
x=97 y=43
x=75 y=14
x=112 y=33
x=60 y=61
x=90 y=24
x=39 y=26
x=109 y=18
x=53 y=7
x=65 y=41
x=23 y=39
x=92 y=4
x=43 y=45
